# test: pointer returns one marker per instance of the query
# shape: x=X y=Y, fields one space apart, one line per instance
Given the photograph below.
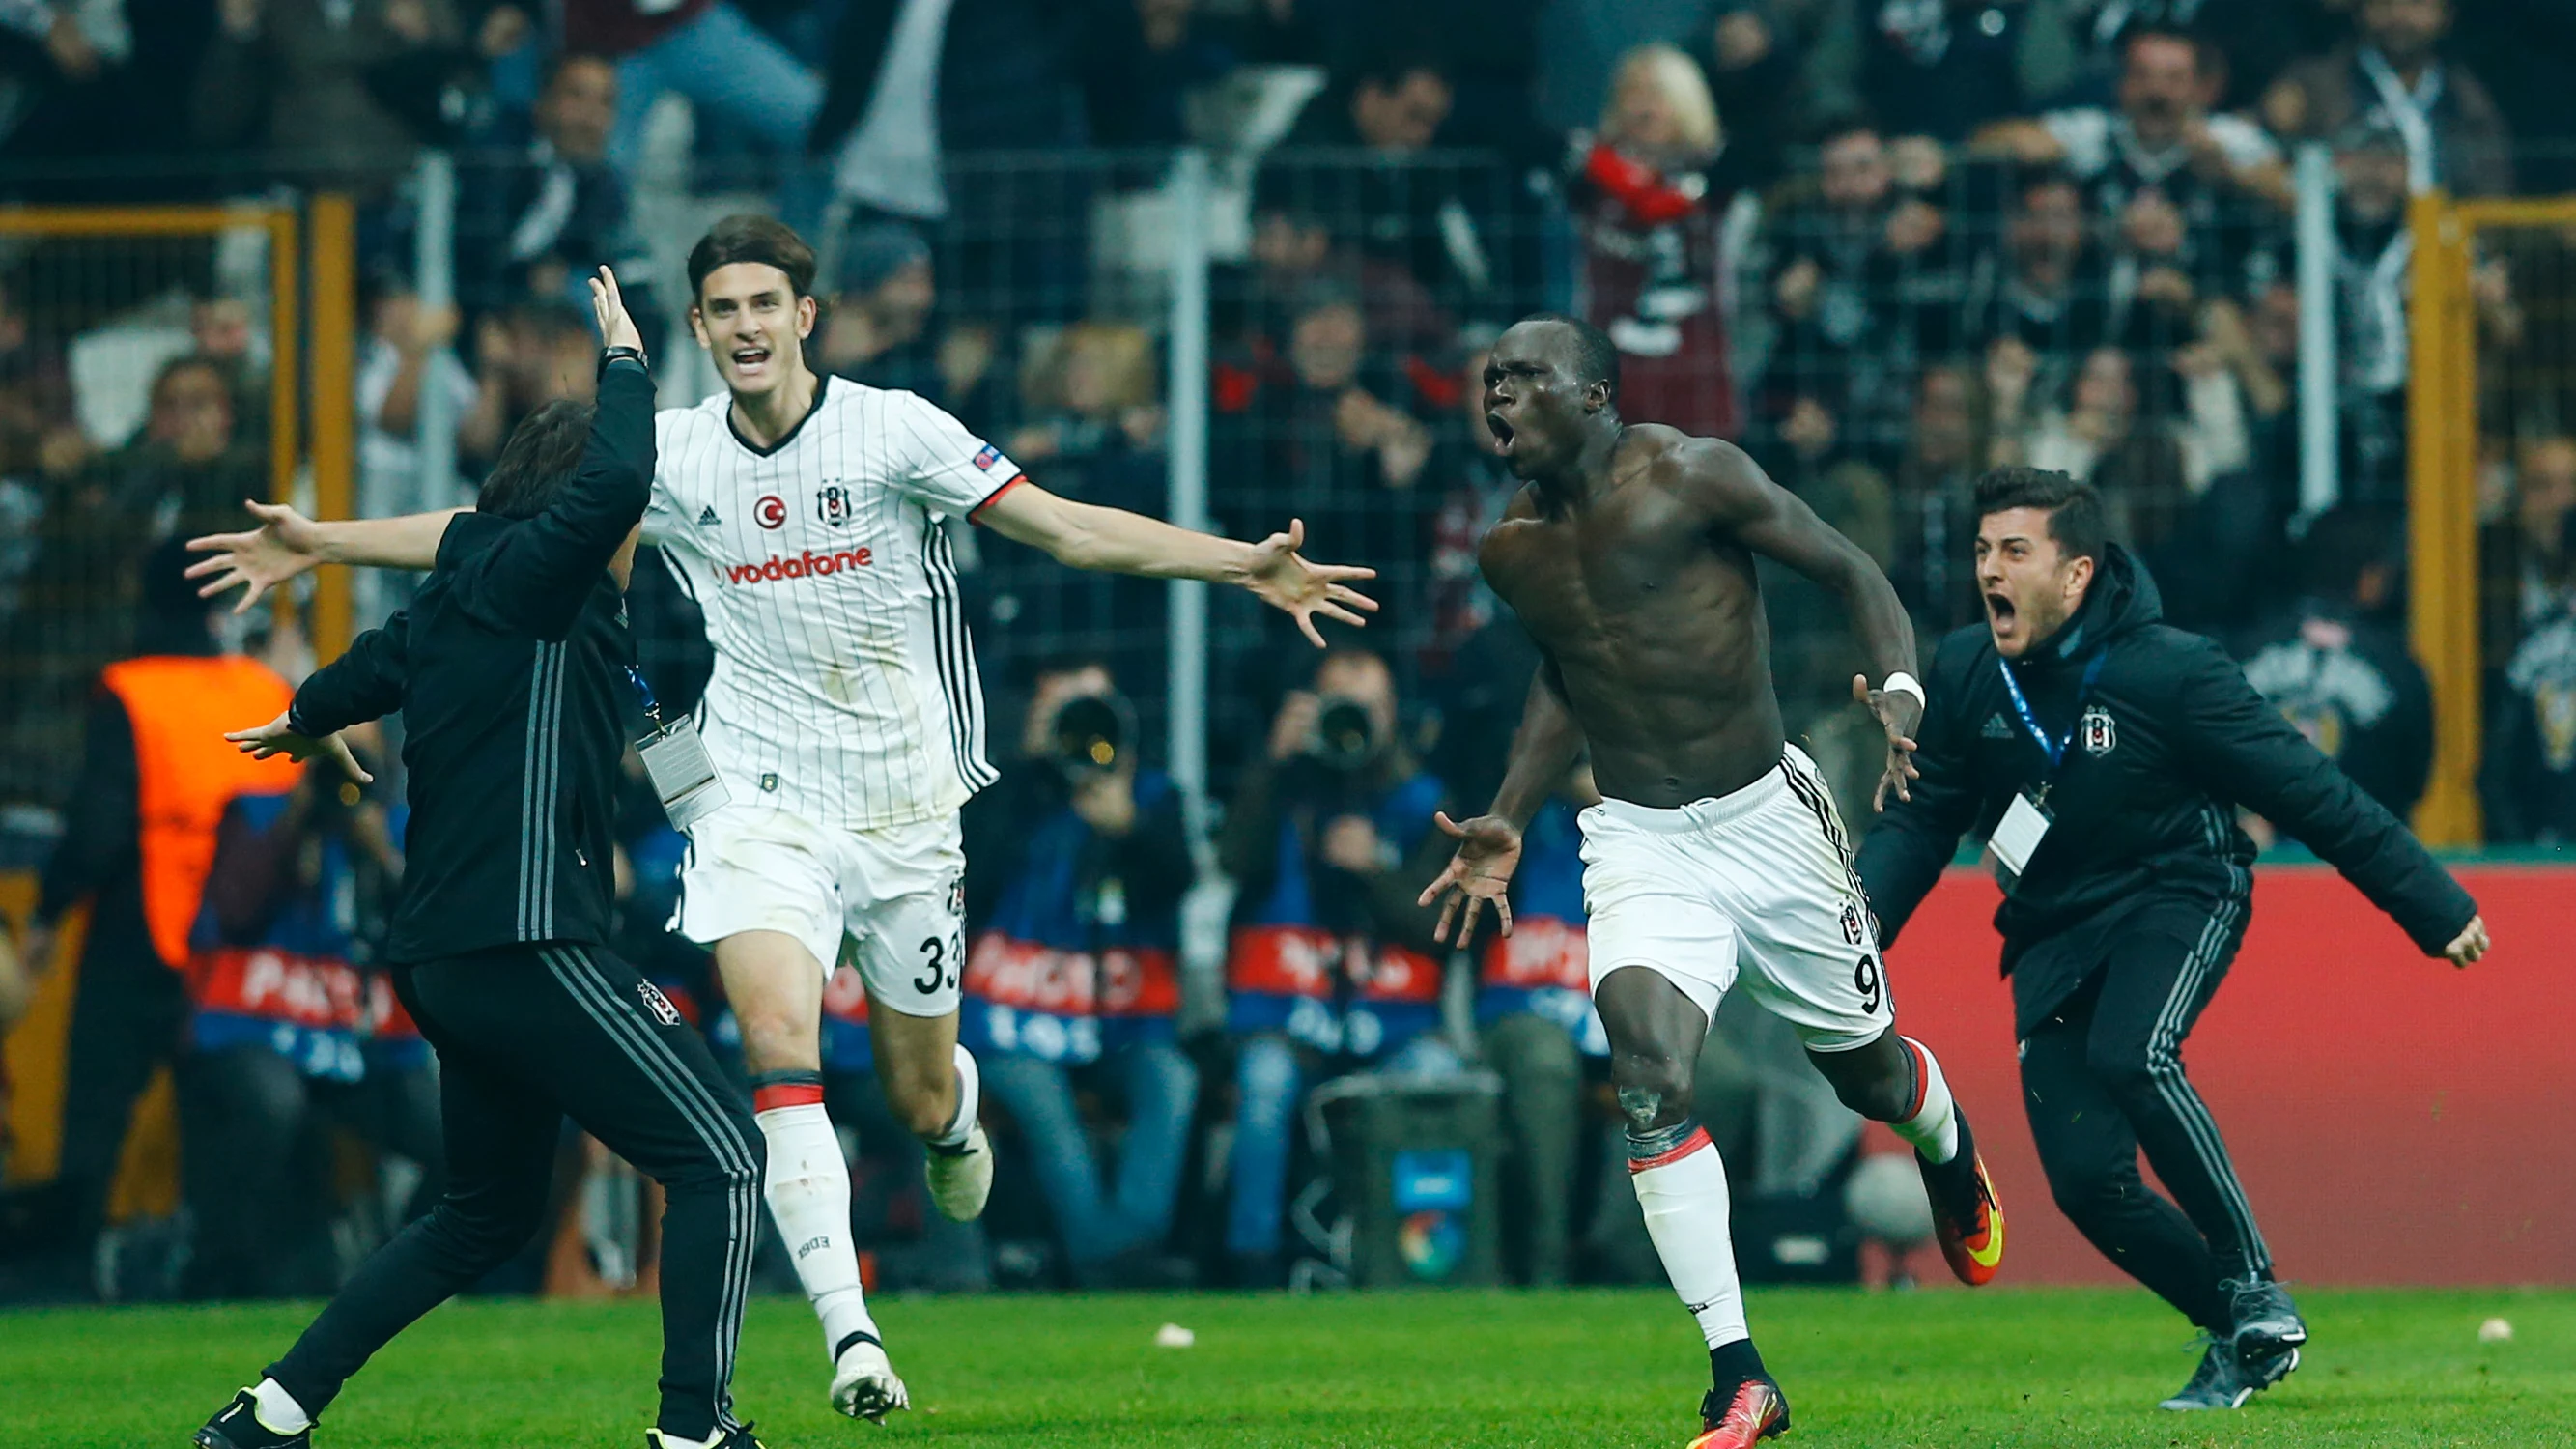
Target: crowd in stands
x=1883 y=245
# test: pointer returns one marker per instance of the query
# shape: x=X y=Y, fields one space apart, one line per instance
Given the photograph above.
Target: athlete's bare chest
x=1580 y=576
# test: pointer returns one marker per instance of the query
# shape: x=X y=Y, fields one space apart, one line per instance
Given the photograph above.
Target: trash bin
x=1415 y=1167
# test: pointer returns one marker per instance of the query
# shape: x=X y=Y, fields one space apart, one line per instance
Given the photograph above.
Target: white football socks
x=970 y=1100
x=277 y=1410
x=1682 y=1187
x=809 y=1196
x=1933 y=1126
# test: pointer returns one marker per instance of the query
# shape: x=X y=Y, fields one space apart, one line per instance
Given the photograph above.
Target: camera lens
x=1091 y=733
x=1345 y=735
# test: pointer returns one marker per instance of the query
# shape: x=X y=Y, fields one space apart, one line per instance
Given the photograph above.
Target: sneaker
x=863 y=1381
x=2217 y=1384
x=2268 y=1325
x=1967 y=1217
x=1755 y=1411
x=238 y=1427
x=961 y=1177
x=739 y=1438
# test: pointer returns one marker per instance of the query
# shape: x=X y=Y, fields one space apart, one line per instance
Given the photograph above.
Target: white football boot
x=961 y=1177
x=863 y=1382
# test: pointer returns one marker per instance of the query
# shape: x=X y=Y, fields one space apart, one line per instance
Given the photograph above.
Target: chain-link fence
x=1297 y=334
x=146 y=376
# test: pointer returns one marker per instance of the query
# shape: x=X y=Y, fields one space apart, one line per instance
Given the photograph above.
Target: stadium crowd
x=1883 y=245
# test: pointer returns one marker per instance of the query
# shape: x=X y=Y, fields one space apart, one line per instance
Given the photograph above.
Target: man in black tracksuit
x=511 y=668
x=2102 y=755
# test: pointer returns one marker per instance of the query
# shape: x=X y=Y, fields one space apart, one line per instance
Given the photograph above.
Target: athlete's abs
x=1659 y=635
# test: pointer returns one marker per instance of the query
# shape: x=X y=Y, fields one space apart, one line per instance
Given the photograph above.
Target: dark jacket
x=2167 y=743
x=510 y=668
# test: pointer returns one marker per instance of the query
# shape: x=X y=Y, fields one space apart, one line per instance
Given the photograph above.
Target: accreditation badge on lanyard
x=676 y=759
x=2026 y=820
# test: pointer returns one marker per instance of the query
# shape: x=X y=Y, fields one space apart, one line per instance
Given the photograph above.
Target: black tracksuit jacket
x=510 y=669
x=2143 y=807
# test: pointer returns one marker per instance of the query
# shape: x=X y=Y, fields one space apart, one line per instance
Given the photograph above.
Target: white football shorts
x=898 y=893
x=1758 y=882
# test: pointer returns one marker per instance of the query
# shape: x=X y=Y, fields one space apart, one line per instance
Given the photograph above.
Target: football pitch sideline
x=2052 y=1367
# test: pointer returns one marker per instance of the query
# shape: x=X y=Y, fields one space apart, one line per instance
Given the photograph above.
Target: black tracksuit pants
x=2102 y=1077
x=525 y=1036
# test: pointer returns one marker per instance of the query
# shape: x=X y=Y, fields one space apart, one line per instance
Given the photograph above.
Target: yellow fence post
x=335 y=402
x=2441 y=419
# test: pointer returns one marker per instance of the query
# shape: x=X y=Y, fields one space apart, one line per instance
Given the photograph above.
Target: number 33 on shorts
x=941 y=961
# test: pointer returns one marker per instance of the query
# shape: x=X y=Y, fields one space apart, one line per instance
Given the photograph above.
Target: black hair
x=553 y=320
x=1386 y=67
x=1849 y=121
x=1596 y=357
x=2075 y=516
x=2204 y=56
x=538 y=460
x=189 y=362
x=2341 y=545
x=747 y=237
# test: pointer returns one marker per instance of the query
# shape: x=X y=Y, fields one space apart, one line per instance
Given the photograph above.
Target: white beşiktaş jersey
x=844 y=686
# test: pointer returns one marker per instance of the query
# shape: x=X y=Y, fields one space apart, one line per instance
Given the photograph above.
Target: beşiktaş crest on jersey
x=2095 y=732
x=834 y=505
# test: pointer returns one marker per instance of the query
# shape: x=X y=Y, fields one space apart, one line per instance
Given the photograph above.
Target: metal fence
x=1239 y=339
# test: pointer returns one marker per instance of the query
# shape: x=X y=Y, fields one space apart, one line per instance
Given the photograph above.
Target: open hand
x=1489 y=848
x=1898 y=711
x=1279 y=577
x=608 y=305
x=2470 y=944
x=285 y=544
x=277 y=737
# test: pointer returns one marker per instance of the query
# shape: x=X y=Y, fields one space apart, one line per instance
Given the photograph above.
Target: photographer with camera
x=1076 y=862
x=1331 y=962
x=280 y=1025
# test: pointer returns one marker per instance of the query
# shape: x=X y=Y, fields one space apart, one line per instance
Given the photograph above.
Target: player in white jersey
x=803 y=513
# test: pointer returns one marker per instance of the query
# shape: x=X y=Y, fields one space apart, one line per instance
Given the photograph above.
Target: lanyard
x=644 y=692
x=2055 y=749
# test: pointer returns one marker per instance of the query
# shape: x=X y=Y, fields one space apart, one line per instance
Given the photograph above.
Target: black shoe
x=2268 y=1326
x=2219 y=1383
x=733 y=1439
x=238 y=1427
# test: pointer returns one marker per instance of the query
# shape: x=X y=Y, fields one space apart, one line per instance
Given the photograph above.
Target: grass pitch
x=2072 y=1367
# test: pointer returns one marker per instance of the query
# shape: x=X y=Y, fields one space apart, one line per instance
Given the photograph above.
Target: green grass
x=2027 y=1367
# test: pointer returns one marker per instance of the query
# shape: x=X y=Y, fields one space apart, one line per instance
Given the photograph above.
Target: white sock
x=277 y=1410
x=809 y=1197
x=1682 y=1186
x=970 y=1100
x=1933 y=1126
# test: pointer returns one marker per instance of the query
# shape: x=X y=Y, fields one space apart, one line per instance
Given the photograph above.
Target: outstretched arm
x=1112 y=540
x=2246 y=753
x=287 y=543
x=1773 y=522
x=1489 y=846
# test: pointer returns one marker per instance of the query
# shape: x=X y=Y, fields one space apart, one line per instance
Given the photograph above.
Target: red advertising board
x=2394 y=1120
